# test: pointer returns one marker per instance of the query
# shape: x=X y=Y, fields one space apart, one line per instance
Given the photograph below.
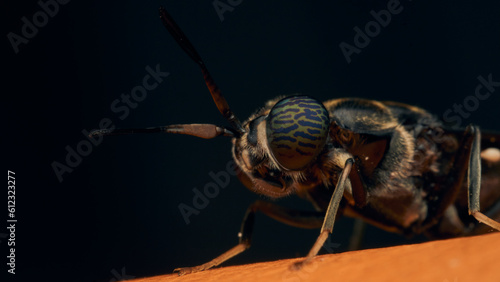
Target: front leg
x=467 y=164
x=331 y=212
x=301 y=219
x=474 y=182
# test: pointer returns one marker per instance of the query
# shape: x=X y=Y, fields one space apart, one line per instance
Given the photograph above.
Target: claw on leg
x=183 y=270
x=486 y=220
x=216 y=261
x=300 y=264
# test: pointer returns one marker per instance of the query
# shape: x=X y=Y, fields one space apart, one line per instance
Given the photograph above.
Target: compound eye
x=297 y=128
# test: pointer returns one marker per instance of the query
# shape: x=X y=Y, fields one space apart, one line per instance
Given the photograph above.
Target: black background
x=119 y=208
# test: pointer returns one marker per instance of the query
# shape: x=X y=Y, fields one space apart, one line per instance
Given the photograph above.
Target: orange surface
x=455 y=260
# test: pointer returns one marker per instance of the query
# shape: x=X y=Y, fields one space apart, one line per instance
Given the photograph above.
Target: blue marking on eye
x=286 y=129
x=284 y=138
x=305 y=135
x=311 y=124
x=309 y=145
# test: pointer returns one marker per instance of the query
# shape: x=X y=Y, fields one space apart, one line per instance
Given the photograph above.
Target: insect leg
x=494 y=213
x=451 y=186
x=467 y=164
x=331 y=212
x=474 y=182
x=301 y=219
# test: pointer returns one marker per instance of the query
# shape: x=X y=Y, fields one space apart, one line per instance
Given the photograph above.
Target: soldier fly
x=393 y=165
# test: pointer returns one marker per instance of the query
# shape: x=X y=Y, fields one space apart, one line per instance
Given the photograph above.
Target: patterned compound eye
x=297 y=128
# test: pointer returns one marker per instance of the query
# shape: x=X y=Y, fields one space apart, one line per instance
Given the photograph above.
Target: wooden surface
x=454 y=260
